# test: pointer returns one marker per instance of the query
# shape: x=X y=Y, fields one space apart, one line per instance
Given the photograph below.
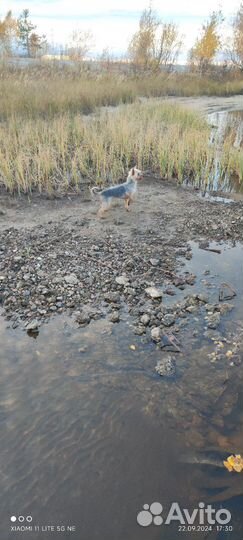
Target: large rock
x=82 y=317
x=154 y=292
x=32 y=326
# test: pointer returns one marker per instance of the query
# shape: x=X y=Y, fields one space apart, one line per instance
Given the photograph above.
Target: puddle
x=90 y=433
x=218 y=188
x=221 y=123
x=213 y=268
x=218 y=198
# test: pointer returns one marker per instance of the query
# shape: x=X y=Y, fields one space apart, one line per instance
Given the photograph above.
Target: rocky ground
x=57 y=257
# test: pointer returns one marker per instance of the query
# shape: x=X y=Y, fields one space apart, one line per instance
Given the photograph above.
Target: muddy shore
x=208 y=105
x=57 y=257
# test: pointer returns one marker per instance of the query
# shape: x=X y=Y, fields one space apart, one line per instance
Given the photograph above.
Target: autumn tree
x=235 y=48
x=80 y=44
x=37 y=44
x=155 y=44
x=202 y=55
x=8 y=34
x=25 y=30
x=31 y=42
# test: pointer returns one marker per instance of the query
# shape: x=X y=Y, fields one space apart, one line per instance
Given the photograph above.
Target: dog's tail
x=95 y=191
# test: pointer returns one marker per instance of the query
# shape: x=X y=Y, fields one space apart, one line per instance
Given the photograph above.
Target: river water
x=90 y=433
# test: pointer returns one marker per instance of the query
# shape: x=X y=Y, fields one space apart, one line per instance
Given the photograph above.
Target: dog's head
x=135 y=174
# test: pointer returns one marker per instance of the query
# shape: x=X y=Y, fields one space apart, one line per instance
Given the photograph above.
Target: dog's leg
x=127 y=203
x=100 y=213
x=104 y=207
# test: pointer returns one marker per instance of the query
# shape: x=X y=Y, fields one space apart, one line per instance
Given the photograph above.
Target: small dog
x=124 y=191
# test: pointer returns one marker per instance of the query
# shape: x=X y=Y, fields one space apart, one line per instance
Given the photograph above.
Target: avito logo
x=203 y=515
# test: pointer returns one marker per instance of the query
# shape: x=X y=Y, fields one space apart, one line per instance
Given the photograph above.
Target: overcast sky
x=112 y=22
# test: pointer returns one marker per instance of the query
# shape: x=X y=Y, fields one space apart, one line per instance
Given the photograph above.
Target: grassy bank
x=42 y=98
x=48 y=143
x=56 y=154
x=49 y=89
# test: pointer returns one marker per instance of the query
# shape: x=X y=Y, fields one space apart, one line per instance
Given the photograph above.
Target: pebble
x=71 y=279
x=166 y=367
x=156 y=334
x=168 y=320
x=82 y=318
x=139 y=330
x=213 y=320
x=112 y=297
x=153 y=292
x=191 y=309
x=225 y=308
x=32 y=325
x=202 y=297
x=170 y=292
x=154 y=262
x=145 y=319
x=72 y=275
x=114 y=317
x=122 y=280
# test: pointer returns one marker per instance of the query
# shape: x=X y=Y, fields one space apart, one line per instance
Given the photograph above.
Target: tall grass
x=57 y=154
x=46 y=90
x=31 y=99
x=47 y=143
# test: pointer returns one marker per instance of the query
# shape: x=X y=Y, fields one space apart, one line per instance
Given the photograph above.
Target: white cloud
x=57 y=18
x=55 y=8
x=197 y=8
x=114 y=34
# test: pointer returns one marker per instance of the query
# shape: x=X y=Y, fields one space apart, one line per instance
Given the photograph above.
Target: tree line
x=158 y=44
x=154 y=46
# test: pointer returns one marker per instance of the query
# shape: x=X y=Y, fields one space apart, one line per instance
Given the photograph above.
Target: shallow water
x=90 y=433
x=221 y=122
x=221 y=188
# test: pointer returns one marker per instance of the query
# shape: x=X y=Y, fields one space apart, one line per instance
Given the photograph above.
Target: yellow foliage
x=8 y=30
x=207 y=46
x=155 y=43
x=234 y=463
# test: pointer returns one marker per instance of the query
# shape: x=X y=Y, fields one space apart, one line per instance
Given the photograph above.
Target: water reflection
x=219 y=185
x=223 y=123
